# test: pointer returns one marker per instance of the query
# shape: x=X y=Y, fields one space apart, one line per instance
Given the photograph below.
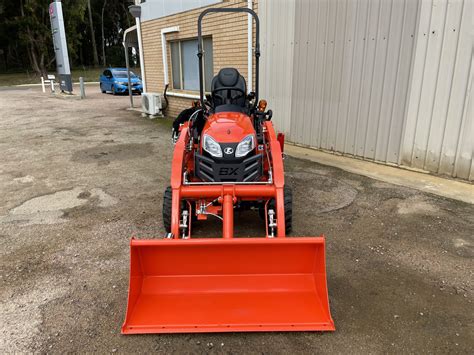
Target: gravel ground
x=78 y=178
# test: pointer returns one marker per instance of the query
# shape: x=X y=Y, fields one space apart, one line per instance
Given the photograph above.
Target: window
x=185 y=64
x=123 y=74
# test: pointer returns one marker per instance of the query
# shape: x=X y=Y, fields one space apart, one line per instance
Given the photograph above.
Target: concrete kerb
x=76 y=83
x=454 y=189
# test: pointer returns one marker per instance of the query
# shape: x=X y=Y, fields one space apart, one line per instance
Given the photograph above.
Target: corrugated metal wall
x=352 y=63
x=385 y=80
x=439 y=133
x=277 y=18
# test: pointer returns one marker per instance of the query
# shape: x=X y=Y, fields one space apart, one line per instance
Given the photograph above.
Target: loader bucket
x=218 y=285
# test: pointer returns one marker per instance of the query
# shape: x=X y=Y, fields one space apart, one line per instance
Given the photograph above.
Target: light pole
x=136 y=12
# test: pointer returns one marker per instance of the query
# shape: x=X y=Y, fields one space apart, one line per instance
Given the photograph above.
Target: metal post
x=52 y=85
x=140 y=51
x=130 y=93
x=249 y=48
x=136 y=12
x=81 y=85
x=42 y=85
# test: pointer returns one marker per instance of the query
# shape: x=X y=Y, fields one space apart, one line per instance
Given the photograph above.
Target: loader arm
x=177 y=166
x=278 y=178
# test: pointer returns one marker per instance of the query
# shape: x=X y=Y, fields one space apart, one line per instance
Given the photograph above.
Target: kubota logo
x=228 y=150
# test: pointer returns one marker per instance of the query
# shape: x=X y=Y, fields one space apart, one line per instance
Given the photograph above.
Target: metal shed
x=383 y=80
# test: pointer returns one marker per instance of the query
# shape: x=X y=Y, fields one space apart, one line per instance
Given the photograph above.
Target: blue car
x=115 y=80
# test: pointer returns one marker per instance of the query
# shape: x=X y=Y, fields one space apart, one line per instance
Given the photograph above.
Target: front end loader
x=227 y=157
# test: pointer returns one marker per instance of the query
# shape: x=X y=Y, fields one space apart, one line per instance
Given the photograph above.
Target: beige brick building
x=225 y=44
x=384 y=81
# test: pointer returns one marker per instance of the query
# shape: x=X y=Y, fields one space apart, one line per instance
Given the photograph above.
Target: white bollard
x=83 y=90
x=42 y=85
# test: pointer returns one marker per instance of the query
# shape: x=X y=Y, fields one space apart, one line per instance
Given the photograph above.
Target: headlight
x=139 y=82
x=212 y=147
x=245 y=146
x=121 y=83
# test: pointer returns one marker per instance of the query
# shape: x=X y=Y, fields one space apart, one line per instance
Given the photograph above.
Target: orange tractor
x=227 y=157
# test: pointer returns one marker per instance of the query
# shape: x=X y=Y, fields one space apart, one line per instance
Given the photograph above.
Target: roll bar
x=200 y=51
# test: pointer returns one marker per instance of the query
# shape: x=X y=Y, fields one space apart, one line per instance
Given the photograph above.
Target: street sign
x=60 y=46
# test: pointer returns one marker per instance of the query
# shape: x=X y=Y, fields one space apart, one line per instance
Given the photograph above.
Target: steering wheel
x=241 y=93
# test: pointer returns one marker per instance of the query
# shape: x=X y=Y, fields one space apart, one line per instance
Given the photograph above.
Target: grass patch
x=164 y=121
x=18 y=78
x=89 y=74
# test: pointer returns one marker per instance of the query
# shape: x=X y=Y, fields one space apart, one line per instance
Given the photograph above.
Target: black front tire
x=288 y=209
x=167 y=208
x=167 y=202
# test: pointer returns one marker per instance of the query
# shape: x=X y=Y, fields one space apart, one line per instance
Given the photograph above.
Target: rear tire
x=102 y=89
x=288 y=199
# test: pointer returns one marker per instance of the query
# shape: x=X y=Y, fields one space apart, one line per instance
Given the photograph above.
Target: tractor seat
x=232 y=100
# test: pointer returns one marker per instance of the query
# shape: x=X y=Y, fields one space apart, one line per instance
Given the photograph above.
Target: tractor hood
x=228 y=127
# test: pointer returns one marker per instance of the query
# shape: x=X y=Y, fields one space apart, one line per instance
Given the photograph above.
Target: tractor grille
x=248 y=170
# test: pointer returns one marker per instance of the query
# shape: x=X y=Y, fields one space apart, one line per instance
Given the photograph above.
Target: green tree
x=26 y=41
x=91 y=24
x=35 y=34
x=12 y=53
x=74 y=13
x=34 y=30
